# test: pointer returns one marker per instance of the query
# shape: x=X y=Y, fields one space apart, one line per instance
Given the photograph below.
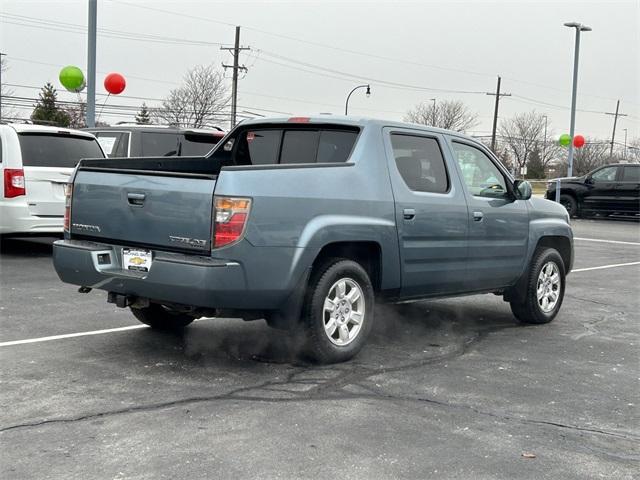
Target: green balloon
x=72 y=78
x=565 y=139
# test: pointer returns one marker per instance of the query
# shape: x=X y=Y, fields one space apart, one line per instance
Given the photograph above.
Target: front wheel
x=570 y=203
x=338 y=311
x=545 y=288
x=160 y=317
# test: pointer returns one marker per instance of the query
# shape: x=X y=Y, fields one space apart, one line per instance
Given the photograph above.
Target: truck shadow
x=27 y=246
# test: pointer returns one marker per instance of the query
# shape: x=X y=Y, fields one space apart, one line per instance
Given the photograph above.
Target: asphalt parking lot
x=444 y=389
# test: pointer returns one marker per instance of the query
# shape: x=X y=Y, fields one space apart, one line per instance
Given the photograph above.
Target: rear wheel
x=545 y=288
x=570 y=203
x=160 y=317
x=338 y=311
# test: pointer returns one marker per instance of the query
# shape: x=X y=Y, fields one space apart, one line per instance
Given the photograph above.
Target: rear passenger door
x=498 y=223
x=628 y=189
x=431 y=214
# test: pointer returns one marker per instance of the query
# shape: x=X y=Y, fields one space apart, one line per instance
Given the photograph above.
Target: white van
x=36 y=162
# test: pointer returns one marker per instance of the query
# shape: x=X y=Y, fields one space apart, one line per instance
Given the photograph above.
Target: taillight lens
x=68 y=192
x=230 y=219
x=14 y=182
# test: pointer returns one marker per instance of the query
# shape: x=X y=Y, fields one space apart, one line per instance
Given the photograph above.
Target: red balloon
x=114 y=83
x=578 y=141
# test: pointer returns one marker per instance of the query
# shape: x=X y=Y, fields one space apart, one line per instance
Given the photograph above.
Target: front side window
x=631 y=174
x=420 y=163
x=607 y=174
x=113 y=143
x=480 y=174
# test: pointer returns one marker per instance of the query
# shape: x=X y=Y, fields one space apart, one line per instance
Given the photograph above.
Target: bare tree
x=198 y=101
x=448 y=114
x=592 y=155
x=633 y=151
x=522 y=135
x=6 y=92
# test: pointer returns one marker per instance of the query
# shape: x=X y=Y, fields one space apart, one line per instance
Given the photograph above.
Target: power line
x=346 y=50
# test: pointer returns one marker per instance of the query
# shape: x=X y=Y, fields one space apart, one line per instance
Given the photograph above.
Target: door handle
x=136 y=199
x=408 y=214
x=478 y=216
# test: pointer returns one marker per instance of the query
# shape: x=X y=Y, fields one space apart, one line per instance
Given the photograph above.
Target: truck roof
x=355 y=121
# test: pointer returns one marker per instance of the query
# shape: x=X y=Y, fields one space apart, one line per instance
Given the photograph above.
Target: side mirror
x=522 y=189
x=588 y=180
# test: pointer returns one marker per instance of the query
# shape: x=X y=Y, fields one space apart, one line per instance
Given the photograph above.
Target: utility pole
x=235 y=51
x=91 y=63
x=495 y=113
x=1 y=55
x=615 y=121
x=625 y=145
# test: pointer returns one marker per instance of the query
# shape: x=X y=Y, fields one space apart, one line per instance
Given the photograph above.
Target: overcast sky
x=445 y=46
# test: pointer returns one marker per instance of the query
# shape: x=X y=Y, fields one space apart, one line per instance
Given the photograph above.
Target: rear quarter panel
x=297 y=211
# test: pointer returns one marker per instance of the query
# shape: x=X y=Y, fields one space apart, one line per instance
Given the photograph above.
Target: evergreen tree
x=143 y=117
x=46 y=110
x=535 y=167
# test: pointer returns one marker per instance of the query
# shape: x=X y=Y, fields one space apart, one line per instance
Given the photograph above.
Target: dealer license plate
x=136 y=259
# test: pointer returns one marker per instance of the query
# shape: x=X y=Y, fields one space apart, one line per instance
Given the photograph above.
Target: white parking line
x=70 y=335
x=605 y=241
x=135 y=327
x=605 y=266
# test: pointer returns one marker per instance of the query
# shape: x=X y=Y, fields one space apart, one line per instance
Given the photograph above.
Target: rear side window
x=158 y=144
x=46 y=150
x=631 y=174
x=197 y=145
x=420 y=163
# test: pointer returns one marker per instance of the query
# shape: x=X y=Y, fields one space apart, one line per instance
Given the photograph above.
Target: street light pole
x=91 y=63
x=346 y=104
x=579 y=28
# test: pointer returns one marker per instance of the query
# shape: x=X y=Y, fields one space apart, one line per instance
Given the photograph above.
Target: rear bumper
x=173 y=278
x=15 y=219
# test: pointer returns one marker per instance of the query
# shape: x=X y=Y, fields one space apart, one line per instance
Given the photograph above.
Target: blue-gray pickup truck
x=306 y=222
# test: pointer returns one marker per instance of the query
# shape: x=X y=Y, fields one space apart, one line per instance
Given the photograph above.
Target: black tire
x=531 y=310
x=161 y=318
x=317 y=345
x=570 y=203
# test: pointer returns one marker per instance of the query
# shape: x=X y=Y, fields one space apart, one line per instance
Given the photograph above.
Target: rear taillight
x=230 y=219
x=14 y=182
x=68 y=192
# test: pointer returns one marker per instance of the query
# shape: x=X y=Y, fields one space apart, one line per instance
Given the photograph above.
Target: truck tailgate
x=165 y=211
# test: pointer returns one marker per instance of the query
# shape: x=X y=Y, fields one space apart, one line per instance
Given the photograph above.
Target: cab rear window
x=268 y=146
x=56 y=150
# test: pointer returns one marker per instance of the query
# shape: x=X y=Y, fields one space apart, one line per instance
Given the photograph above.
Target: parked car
x=36 y=163
x=305 y=221
x=612 y=189
x=129 y=140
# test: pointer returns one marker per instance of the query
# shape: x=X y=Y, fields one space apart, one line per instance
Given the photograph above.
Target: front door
x=498 y=224
x=601 y=191
x=431 y=214
x=628 y=189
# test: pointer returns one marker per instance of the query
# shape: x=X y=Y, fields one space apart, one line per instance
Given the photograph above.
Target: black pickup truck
x=612 y=189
